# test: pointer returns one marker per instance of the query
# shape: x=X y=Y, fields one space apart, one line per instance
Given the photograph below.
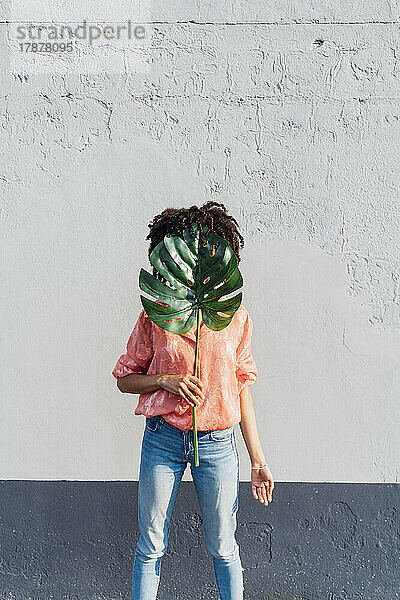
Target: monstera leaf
x=200 y=270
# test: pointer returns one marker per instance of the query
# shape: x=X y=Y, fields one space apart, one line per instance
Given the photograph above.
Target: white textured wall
x=300 y=139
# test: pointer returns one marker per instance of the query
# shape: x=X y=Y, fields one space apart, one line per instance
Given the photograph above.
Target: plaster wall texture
x=315 y=541
x=291 y=117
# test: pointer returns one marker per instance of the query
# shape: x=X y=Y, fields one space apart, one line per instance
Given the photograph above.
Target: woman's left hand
x=262 y=484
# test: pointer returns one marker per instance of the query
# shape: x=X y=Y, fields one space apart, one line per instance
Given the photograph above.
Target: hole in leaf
x=213 y=249
x=172 y=320
x=222 y=314
x=164 y=303
x=189 y=282
x=205 y=281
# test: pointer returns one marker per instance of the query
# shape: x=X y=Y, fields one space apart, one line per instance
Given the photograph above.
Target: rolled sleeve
x=139 y=350
x=246 y=370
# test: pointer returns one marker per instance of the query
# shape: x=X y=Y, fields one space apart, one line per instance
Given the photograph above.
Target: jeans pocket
x=221 y=435
x=152 y=423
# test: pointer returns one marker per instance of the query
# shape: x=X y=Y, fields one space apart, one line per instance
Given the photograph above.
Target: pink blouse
x=225 y=367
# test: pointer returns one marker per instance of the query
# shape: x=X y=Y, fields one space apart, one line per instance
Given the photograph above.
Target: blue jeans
x=165 y=452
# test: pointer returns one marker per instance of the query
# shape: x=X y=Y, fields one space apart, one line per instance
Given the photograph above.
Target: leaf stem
x=196 y=360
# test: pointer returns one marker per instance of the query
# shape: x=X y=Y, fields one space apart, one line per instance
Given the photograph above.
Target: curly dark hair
x=213 y=214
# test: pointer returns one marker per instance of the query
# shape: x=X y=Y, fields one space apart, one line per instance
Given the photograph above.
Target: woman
x=158 y=365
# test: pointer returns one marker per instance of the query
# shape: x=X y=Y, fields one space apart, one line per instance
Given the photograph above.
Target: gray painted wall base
x=74 y=540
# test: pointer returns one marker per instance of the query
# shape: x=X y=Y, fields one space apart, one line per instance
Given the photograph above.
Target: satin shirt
x=225 y=367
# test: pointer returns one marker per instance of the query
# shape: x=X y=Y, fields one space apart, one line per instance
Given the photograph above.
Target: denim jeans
x=165 y=452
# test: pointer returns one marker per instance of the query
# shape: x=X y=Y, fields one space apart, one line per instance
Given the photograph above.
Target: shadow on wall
x=329 y=381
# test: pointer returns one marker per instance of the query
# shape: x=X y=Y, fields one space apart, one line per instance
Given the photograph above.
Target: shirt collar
x=192 y=332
